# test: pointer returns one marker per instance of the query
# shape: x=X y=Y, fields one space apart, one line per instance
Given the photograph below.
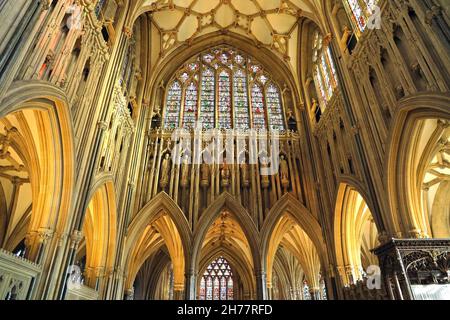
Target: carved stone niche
x=416 y=269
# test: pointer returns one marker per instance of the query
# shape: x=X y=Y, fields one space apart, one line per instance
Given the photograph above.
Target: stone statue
x=225 y=173
x=284 y=170
x=165 y=167
x=185 y=171
x=245 y=174
x=265 y=181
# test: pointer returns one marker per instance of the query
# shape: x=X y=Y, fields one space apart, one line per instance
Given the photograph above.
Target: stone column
x=190 y=289
x=129 y=294
x=25 y=25
x=178 y=291
x=75 y=240
x=261 y=285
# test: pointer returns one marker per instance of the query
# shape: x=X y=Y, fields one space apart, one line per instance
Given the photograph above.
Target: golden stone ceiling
x=270 y=23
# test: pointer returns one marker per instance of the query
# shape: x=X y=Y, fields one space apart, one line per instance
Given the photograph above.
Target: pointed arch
x=154 y=209
x=288 y=204
x=225 y=202
x=407 y=159
x=45 y=135
x=167 y=67
x=291 y=224
x=168 y=226
x=355 y=233
x=100 y=230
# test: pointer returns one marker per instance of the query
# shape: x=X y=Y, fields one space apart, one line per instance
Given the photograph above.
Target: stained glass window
x=209 y=289
x=306 y=292
x=207 y=109
x=217 y=281
x=323 y=287
x=359 y=12
x=190 y=106
x=275 y=114
x=258 y=110
x=325 y=77
x=225 y=89
x=224 y=100
x=241 y=108
x=173 y=106
x=320 y=87
x=202 y=289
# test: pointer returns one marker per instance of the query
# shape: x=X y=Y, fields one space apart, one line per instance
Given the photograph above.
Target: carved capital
x=75 y=238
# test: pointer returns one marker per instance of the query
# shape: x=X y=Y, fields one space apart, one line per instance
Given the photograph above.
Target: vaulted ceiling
x=269 y=23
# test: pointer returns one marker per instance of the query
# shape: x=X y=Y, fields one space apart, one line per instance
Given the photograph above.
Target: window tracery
x=217 y=281
x=225 y=89
x=325 y=77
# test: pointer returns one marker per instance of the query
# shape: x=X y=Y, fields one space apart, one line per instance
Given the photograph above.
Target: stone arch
x=100 y=231
x=225 y=202
x=280 y=70
x=45 y=138
x=164 y=212
x=288 y=207
x=407 y=159
x=289 y=204
x=355 y=233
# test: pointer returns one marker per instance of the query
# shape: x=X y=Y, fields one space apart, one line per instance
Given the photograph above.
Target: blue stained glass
x=207 y=109
x=241 y=108
x=190 y=106
x=275 y=112
x=258 y=107
x=224 y=100
x=173 y=106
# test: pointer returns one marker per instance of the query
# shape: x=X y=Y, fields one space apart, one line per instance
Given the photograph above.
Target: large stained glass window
x=225 y=89
x=359 y=12
x=325 y=77
x=173 y=106
x=217 y=281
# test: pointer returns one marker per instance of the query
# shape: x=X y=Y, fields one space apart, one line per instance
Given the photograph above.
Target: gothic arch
x=355 y=233
x=166 y=215
x=288 y=204
x=289 y=218
x=359 y=187
x=45 y=138
x=407 y=159
x=100 y=231
x=159 y=205
x=225 y=202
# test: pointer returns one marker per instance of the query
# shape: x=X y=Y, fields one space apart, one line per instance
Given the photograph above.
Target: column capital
x=75 y=239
